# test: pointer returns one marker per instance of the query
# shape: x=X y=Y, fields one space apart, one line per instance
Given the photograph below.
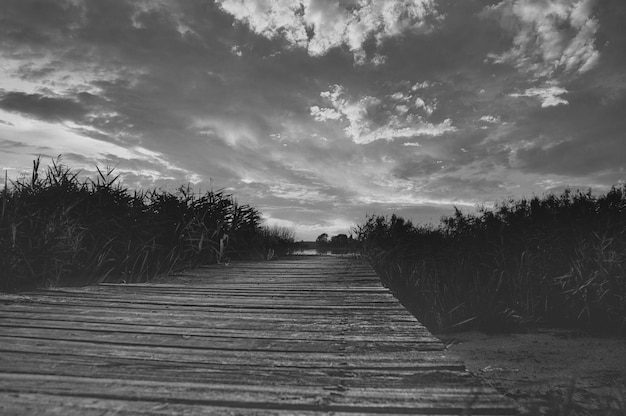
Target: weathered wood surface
x=305 y=335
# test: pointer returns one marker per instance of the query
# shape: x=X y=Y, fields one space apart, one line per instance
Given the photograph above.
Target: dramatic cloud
x=320 y=25
x=549 y=96
x=548 y=35
x=319 y=112
x=398 y=115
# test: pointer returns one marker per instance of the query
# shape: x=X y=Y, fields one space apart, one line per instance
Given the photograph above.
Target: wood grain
x=303 y=335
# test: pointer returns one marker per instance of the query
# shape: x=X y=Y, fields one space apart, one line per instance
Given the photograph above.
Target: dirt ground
x=538 y=369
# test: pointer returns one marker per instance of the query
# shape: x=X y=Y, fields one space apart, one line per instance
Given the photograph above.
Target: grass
x=558 y=259
x=58 y=229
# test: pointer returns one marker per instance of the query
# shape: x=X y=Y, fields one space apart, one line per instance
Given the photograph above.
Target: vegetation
x=58 y=229
x=337 y=244
x=558 y=259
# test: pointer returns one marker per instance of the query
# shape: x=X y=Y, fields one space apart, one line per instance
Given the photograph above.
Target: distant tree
x=322 y=239
x=340 y=240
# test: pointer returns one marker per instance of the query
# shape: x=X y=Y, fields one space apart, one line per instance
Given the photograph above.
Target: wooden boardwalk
x=305 y=335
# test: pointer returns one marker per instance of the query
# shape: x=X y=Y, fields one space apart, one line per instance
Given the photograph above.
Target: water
x=323 y=252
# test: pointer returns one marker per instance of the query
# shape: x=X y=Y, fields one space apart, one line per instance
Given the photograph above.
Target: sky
x=321 y=112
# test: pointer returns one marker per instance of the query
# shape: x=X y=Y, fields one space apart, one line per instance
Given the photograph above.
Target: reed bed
x=56 y=228
x=557 y=259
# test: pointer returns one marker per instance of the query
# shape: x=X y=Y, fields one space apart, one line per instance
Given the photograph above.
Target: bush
x=560 y=259
x=57 y=229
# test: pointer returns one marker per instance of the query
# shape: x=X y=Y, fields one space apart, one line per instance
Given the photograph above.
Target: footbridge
x=309 y=335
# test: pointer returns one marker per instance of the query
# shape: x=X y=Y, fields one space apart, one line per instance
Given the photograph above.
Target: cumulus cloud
x=323 y=114
x=428 y=108
x=270 y=18
x=485 y=120
x=548 y=35
x=421 y=85
x=549 y=96
x=490 y=119
x=320 y=25
x=369 y=118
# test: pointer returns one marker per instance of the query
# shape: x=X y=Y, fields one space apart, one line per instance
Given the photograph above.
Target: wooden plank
x=231 y=289
x=266 y=300
x=332 y=333
x=480 y=400
x=311 y=335
x=235 y=323
x=444 y=373
x=213 y=342
x=42 y=404
x=284 y=357
x=200 y=304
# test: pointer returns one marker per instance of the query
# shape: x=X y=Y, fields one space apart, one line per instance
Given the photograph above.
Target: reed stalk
x=56 y=229
x=558 y=259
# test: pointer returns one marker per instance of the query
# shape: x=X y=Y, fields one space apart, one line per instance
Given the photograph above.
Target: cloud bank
x=549 y=36
x=397 y=115
x=320 y=25
x=321 y=111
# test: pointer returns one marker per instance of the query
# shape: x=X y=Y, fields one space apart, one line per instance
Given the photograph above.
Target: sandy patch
x=541 y=366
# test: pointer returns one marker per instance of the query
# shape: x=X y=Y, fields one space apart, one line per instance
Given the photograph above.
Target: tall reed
x=56 y=228
x=559 y=259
